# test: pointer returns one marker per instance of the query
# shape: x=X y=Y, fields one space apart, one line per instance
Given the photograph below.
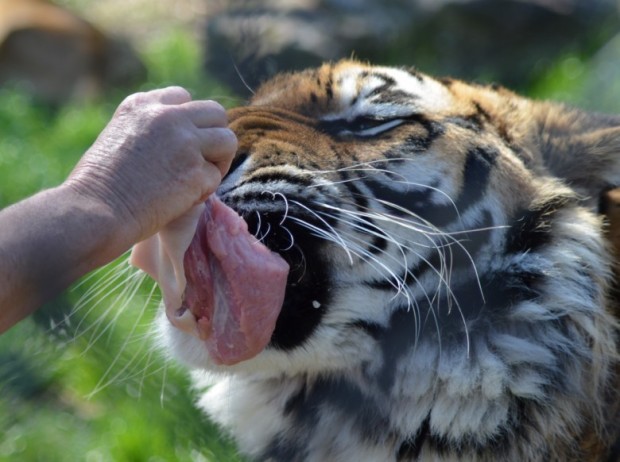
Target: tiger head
x=447 y=264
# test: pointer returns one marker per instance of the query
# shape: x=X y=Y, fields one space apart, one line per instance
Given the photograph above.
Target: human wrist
x=50 y=240
x=102 y=231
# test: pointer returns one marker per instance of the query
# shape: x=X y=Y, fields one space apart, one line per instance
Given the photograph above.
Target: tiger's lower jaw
x=278 y=419
x=386 y=402
x=457 y=405
x=271 y=362
x=450 y=409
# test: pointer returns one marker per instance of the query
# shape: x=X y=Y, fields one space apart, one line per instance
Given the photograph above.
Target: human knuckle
x=187 y=137
x=132 y=101
x=215 y=106
x=180 y=91
x=216 y=113
x=230 y=137
x=225 y=137
x=163 y=117
x=185 y=149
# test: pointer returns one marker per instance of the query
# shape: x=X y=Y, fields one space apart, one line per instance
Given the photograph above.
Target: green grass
x=91 y=385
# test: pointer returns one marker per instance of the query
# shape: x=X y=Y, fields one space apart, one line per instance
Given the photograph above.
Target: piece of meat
x=232 y=288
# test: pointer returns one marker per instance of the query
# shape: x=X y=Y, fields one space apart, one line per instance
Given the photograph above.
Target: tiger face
x=448 y=289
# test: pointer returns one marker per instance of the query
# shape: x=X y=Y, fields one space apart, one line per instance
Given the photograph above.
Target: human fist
x=160 y=154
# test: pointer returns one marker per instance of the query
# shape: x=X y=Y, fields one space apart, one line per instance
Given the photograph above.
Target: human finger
x=211 y=179
x=206 y=113
x=218 y=146
x=166 y=96
x=170 y=95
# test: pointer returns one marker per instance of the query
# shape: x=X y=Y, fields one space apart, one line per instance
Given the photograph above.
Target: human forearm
x=48 y=241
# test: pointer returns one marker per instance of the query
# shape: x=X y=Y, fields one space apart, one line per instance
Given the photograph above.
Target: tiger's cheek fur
x=447 y=298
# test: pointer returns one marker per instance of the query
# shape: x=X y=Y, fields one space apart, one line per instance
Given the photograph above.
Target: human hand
x=160 y=154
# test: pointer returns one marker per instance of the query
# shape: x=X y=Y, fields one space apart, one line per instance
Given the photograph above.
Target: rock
x=56 y=56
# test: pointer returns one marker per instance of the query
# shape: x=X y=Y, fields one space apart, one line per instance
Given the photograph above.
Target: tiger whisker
x=411 y=183
x=110 y=275
x=259 y=224
x=383 y=233
x=126 y=296
x=368 y=212
x=451 y=299
x=320 y=232
x=366 y=165
x=443 y=272
x=380 y=232
x=335 y=234
x=456 y=241
x=103 y=383
x=370 y=228
x=400 y=246
x=304 y=261
x=334 y=182
x=243 y=81
x=292 y=238
x=401 y=288
x=261 y=238
x=100 y=273
x=286 y=206
x=102 y=294
x=399 y=283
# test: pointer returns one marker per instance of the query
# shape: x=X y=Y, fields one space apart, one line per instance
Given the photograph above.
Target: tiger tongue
x=235 y=286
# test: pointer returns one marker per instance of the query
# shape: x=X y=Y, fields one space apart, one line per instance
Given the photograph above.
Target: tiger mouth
x=275 y=211
x=274 y=221
x=235 y=287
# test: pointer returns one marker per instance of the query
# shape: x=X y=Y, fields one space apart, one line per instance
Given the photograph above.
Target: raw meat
x=227 y=288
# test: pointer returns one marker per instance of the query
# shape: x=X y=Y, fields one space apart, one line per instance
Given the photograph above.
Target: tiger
x=450 y=286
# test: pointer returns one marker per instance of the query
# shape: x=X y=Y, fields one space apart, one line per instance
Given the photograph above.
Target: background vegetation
x=82 y=380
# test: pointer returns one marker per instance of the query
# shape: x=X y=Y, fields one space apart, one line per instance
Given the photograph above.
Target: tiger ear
x=581 y=148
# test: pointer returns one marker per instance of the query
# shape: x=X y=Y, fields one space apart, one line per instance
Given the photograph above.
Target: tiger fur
x=449 y=292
